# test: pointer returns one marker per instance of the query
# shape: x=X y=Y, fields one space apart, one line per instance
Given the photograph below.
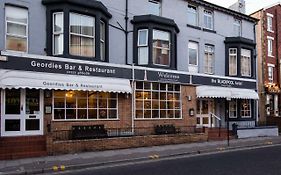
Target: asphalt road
x=261 y=161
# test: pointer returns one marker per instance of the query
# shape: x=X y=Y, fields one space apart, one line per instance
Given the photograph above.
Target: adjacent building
x=268 y=54
x=124 y=64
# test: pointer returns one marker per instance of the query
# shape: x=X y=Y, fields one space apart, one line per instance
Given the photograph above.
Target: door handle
x=21 y=107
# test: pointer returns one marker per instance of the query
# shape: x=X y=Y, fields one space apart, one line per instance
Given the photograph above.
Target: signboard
x=49 y=66
x=211 y=81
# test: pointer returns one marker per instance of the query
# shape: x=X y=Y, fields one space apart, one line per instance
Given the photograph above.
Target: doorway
x=22 y=112
x=204 y=108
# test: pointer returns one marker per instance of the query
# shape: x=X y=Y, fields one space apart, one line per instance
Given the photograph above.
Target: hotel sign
x=211 y=81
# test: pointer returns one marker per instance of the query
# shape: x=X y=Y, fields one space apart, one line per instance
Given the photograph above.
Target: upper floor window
x=269 y=22
x=161 y=48
x=209 y=59
x=155 y=7
x=232 y=61
x=16 y=28
x=270 y=73
x=78 y=31
x=237 y=27
x=143 y=46
x=82 y=40
x=193 y=56
x=245 y=62
x=192 y=16
x=155 y=43
x=270 y=46
x=208 y=20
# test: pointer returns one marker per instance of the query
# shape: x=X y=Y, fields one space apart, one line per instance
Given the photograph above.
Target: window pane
x=59 y=102
x=154 y=7
x=59 y=114
x=143 y=55
x=12 y=101
x=58 y=22
x=32 y=124
x=12 y=125
x=192 y=15
x=82 y=114
x=58 y=44
x=87 y=47
x=16 y=14
x=82 y=102
x=102 y=113
x=193 y=53
x=70 y=114
x=16 y=29
x=75 y=26
x=16 y=43
x=70 y=102
x=87 y=25
x=143 y=34
x=92 y=114
x=32 y=101
x=161 y=47
x=112 y=114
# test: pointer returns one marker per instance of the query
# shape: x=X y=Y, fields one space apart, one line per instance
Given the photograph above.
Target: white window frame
x=248 y=60
x=229 y=109
x=210 y=16
x=77 y=108
x=237 y=24
x=19 y=23
x=81 y=35
x=160 y=6
x=244 y=111
x=58 y=33
x=195 y=46
x=102 y=42
x=143 y=45
x=269 y=22
x=270 y=70
x=229 y=65
x=159 y=91
x=270 y=46
x=191 y=12
x=209 y=59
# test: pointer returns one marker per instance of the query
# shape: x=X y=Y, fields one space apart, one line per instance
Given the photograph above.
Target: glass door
x=204 y=108
x=22 y=112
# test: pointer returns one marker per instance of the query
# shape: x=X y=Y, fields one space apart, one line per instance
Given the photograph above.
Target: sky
x=251 y=5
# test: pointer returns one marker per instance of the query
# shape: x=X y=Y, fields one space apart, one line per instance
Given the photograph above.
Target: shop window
x=245 y=109
x=193 y=56
x=16 y=28
x=12 y=101
x=232 y=61
x=192 y=15
x=158 y=101
x=245 y=62
x=232 y=108
x=208 y=20
x=237 y=27
x=155 y=7
x=209 y=59
x=79 y=105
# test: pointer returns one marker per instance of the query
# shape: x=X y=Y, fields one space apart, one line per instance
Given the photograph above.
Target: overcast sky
x=251 y=5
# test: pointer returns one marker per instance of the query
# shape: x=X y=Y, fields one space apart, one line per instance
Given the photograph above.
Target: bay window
x=16 y=20
x=78 y=31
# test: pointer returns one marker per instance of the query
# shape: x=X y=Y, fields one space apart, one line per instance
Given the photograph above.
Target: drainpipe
x=126 y=32
x=133 y=98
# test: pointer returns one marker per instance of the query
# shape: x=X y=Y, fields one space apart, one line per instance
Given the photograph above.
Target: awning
x=37 y=80
x=225 y=92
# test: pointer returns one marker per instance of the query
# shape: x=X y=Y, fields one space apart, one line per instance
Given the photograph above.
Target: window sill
x=209 y=30
x=194 y=27
x=149 y=119
x=271 y=31
x=157 y=66
x=271 y=56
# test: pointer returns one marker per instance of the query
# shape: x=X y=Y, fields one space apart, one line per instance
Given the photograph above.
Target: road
x=261 y=161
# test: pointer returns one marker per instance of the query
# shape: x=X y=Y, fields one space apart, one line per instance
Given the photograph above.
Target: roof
x=267 y=7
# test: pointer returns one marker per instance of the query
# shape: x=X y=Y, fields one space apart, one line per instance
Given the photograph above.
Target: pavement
x=84 y=160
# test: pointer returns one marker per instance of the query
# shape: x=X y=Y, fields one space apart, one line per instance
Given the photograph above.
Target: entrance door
x=22 y=112
x=204 y=108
